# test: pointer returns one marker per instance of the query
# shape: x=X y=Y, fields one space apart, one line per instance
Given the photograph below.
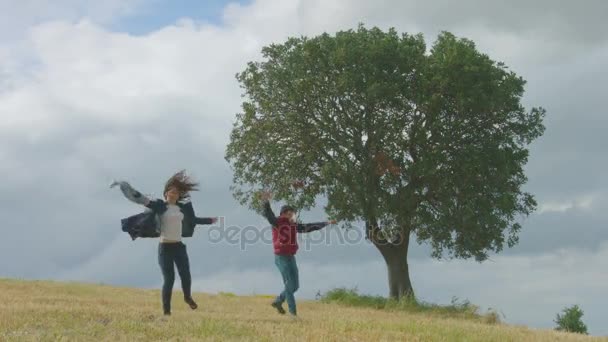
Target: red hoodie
x=285 y=237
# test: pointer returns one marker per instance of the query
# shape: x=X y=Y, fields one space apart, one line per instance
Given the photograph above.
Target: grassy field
x=47 y=311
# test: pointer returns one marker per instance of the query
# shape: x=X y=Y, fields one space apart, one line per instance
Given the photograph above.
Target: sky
x=139 y=89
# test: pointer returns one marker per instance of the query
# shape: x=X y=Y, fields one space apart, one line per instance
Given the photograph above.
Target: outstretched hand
x=213 y=220
x=115 y=183
x=266 y=195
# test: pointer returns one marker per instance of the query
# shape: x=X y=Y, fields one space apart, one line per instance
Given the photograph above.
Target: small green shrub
x=351 y=297
x=571 y=320
x=460 y=309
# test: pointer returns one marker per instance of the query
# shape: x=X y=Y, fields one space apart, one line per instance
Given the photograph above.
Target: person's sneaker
x=294 y=317
x=279 y=307
x=191 y=303
x=167 y=313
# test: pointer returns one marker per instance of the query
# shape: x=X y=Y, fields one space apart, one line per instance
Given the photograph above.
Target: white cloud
x=584 y=202
x=16 y=17
x=84 y=68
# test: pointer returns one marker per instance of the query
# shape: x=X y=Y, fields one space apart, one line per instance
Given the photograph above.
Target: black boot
x=191 y=303
x=279 y=307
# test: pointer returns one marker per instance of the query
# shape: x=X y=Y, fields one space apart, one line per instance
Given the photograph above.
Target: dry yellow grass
x=48 y=311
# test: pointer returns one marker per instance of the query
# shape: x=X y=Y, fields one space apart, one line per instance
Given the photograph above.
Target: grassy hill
x=36 y=310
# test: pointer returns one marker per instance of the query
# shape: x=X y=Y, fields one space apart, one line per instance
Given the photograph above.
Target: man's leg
x=278 y=302
x=292 y=284
x=165 y=261
x=183 y=268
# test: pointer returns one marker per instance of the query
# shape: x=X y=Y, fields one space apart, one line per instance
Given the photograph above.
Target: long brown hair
x=182 y=183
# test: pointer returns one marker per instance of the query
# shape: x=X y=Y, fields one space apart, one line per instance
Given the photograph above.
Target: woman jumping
x=170 y=220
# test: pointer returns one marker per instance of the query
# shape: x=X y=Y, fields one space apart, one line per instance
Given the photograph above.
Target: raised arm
x=267 y=210
x=137 y=197
x=131 y=194
x=269 y=214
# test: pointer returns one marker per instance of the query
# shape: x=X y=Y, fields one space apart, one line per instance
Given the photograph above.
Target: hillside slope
x=36 y=310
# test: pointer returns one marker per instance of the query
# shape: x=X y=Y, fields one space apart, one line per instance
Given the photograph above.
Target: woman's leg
x=183 y=268
x=165 y=261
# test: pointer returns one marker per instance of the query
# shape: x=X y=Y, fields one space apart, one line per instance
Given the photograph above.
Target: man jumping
x=285 y=243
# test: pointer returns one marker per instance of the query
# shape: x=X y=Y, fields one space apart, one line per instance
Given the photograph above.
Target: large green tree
x=413 y=142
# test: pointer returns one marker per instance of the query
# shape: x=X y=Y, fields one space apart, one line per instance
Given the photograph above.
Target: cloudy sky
x=138 y=89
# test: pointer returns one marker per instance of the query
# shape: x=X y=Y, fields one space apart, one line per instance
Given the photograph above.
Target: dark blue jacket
x=147 y=224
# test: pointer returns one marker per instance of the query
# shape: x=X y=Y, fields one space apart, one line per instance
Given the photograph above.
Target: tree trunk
x=395 y=256
x=399 y=283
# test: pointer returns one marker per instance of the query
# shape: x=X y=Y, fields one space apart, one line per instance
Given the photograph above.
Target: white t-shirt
x=171 y=224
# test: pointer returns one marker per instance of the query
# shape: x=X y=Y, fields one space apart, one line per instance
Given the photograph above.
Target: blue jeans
x=289 y=271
